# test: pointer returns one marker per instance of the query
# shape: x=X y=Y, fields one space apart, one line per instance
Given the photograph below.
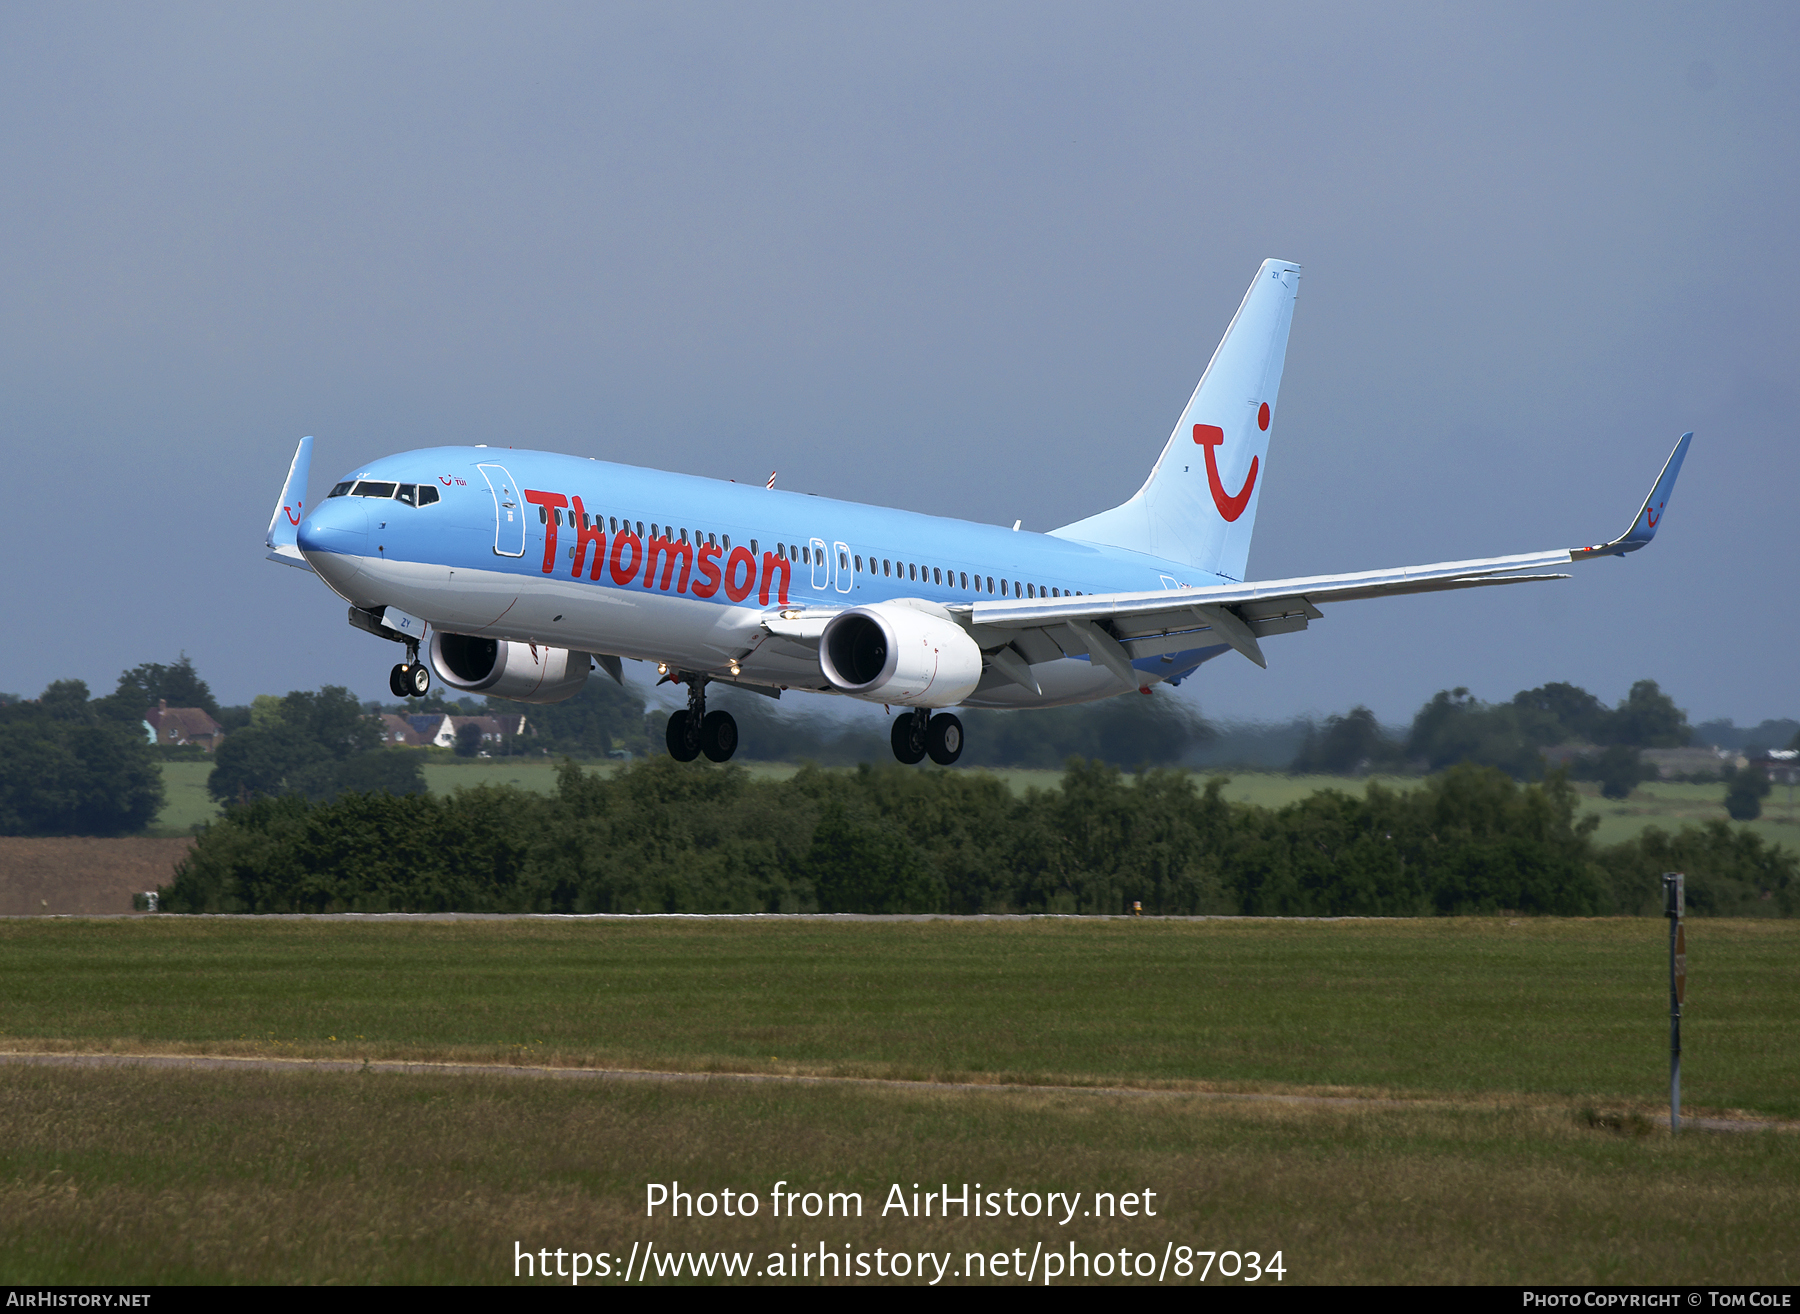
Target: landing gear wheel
x=682 y=746
x=908 y=738
x=418 y=679
x=944 y=739
x=397 y=682
x=718 y=736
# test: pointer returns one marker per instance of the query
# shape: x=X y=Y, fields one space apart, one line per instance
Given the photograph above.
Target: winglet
x=1649 y=516
x=290 y=510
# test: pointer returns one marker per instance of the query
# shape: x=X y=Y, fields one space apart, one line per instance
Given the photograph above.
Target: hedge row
x=666 y=837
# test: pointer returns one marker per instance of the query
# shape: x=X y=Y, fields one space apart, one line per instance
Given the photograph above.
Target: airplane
x=515 y=573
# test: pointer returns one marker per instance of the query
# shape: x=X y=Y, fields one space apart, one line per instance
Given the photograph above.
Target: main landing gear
x=694 y=730
x=412 y=678
x=917 y=734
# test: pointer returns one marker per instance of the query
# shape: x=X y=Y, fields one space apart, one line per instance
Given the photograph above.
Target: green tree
x=1745 y=789
x=602 y=718
x=1619 y=769
x=315 y=744
x=1561 y=713
x=1648 y=718
x=864 y=865
x=1455 y=727
x=66 y=770
x=142 y=687
x=1344 y=745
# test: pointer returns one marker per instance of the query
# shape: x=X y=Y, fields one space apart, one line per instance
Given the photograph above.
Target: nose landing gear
x=694 y=730
x=412 y=678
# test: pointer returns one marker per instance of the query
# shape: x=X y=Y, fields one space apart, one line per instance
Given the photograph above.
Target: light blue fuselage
x=450 y=564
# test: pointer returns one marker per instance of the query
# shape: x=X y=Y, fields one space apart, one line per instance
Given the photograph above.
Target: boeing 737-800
x=513 y=573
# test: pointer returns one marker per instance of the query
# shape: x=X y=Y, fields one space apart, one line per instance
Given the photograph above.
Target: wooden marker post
x=1675 y=909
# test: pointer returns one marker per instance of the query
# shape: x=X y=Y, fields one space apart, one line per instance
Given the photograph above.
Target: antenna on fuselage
x=771 y=482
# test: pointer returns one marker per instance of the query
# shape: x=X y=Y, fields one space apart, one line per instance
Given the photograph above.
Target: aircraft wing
x=1117 y=628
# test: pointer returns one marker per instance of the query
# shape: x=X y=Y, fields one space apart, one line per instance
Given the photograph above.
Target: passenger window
x=427 y=494
x=338 y=490
x=884 y=566
x=843 y=561
x=912 y=571
x=990 y=582
x=806 y=555
x=1030 y=592
x=543 y=516
x=1003 y=588
x=965 y=580
x=859 y=563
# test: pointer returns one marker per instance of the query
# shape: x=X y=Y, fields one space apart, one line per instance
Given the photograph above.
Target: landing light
x=662 y=668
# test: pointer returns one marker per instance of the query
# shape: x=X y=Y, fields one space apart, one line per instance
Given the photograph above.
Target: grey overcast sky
x=967 y=259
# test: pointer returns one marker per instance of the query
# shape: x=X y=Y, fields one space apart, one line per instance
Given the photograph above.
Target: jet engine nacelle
x=524 y=672
x=890 y=653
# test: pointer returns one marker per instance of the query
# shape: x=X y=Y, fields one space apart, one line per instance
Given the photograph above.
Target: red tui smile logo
x=1231 y=507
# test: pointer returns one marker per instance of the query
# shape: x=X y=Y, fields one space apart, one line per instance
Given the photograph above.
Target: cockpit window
x=370 y=488
x=427 y=494
x=338 y=490
x=409 y=494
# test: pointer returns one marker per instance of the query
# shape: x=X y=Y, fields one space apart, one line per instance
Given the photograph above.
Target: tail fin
x=1199 y=504
x=290 y=510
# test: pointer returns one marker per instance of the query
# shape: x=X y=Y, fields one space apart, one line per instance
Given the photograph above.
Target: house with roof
x=495 y=730
x=403 y=732
x=183 y=725
x=1780 y=765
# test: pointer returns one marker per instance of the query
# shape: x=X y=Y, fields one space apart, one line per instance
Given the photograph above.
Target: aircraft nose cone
x=340 y=525
x=334 y=538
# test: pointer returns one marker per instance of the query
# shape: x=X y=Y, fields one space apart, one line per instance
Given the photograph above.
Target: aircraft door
x=821 y=565
x=509 y=519
x=846 y=576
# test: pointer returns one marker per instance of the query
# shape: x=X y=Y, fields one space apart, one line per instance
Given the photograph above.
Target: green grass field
x=187 y=1177
x=1495 y=1036
x=1478 y=1007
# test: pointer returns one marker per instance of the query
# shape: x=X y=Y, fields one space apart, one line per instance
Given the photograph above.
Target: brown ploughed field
x=74 y=874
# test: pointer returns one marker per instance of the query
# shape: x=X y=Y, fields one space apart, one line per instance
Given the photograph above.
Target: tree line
x=665 y=837
x=73 y=764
